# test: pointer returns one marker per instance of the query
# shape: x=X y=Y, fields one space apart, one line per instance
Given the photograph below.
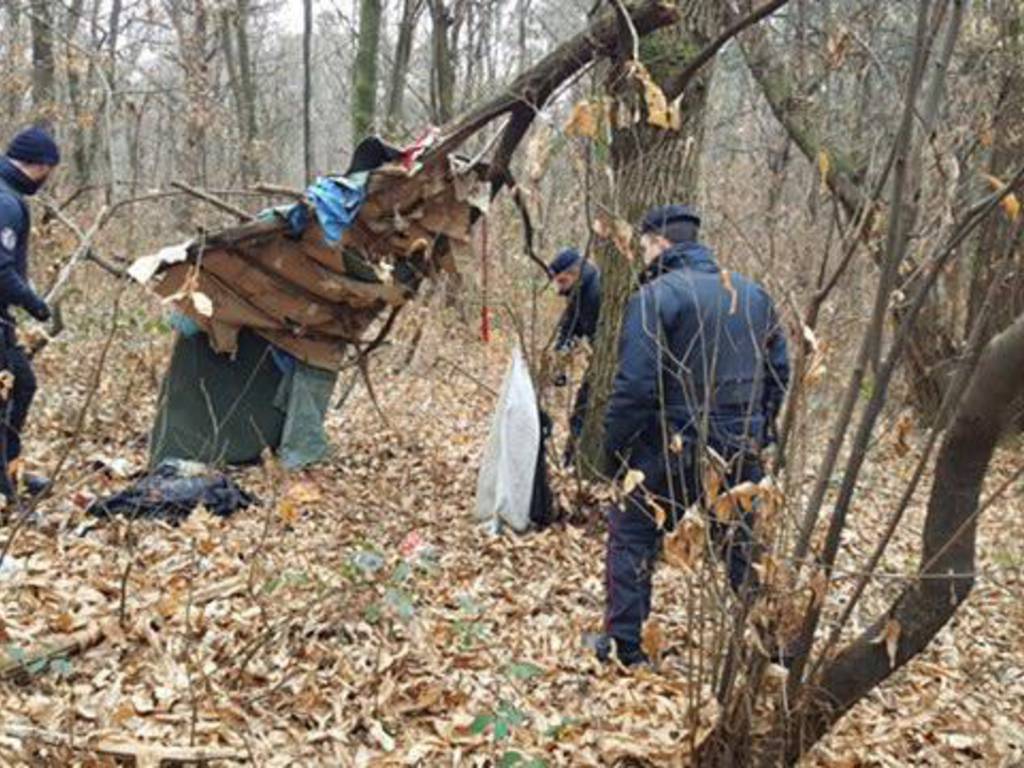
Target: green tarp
x=220 y=410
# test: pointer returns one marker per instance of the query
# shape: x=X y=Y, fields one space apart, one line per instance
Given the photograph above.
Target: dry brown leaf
x=824 y=167
x=582 y=121
x=652 y=639
x=660 y=515
x=288 y=511
x=890 y=636
x=1010 y=204
x=633 y=479
x=819 y=587
x=658 y=113
x=684 y=546
x=901 y=446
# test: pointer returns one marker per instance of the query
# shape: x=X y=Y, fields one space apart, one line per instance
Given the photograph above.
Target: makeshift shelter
x=270 y=310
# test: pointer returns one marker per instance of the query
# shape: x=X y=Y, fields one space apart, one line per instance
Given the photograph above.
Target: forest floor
x=360 y=616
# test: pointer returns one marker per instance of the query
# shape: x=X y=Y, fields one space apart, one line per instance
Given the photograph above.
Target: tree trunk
x=364 y=73
x=234 y=30
x=403 y=53
x=946 y=574
x=651 y=166
x=79 y=143
x=43 y=70
x=999 y=245
x=250 y=158
x=12 y=53
x=442 y=80
x=190 y=24
x=307 y=88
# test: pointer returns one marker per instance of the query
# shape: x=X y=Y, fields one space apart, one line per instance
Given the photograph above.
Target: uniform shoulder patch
x=8 y=238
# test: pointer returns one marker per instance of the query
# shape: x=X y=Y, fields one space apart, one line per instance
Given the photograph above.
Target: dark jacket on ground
x=695 y=342
x=580 y=317
x=15 y=226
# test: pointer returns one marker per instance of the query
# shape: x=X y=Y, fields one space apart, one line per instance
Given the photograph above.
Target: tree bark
x=446 y=22
x=364 y=73
x=650 y=166
x=190 y=22
x=307 y=88
x=948 y=544
x=79 y=143
x=1000 y=244
x=12 y=52
x=411 y=10
x=237 y=60
x=43 y=69
x=250 y=133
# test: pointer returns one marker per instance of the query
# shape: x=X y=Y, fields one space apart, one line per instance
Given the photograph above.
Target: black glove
x=40 y=311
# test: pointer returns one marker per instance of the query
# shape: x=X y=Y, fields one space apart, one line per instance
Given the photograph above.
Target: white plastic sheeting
x=505 y=484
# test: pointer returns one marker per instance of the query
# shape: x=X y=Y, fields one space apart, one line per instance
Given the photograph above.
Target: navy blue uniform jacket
x=580 y=317
x=15 y=225
x=695 y=343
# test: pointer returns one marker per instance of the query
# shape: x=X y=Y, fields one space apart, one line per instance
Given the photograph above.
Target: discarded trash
x=172 y=491
x=505 y=483
x=10 y=568
x=366 y=561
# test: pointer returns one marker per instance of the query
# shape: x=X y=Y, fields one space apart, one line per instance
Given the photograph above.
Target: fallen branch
x=278 y=189
x=50 y=649
x=143 y=754
x=63 y=646
x=213 y=200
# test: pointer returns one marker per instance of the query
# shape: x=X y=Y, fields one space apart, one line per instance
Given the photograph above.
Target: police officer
x=579 y=282
x=702 y=364
x=27 y=163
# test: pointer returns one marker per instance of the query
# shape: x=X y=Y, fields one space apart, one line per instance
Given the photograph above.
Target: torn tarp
x=337 y=200
x=171 y=491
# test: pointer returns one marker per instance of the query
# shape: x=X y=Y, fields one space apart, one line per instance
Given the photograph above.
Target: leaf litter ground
x=359 y=616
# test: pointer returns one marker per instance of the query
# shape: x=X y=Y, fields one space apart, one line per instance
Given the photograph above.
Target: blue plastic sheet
x=183 y=324
x=337 y=200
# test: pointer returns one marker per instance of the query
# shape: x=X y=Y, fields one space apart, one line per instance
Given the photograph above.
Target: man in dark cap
x=702 y=365
x=28 y=161
x=580 y=282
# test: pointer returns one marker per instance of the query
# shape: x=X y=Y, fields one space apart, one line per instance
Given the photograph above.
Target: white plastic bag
x=505 y=484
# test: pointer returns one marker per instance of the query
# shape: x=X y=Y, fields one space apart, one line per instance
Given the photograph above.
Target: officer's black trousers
x=15 y=407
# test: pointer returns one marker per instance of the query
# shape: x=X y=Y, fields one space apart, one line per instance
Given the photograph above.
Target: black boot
x=628 y=654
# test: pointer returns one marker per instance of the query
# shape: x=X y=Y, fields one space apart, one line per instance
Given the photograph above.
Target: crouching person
x=702 y=364
x=579 y=282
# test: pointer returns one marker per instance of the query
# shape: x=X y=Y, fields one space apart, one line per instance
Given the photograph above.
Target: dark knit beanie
x=34 y=145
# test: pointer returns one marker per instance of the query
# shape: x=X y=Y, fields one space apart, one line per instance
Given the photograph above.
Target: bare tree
x=43 y=68
x=307 y=88
x=364 y=71
x=411 y=10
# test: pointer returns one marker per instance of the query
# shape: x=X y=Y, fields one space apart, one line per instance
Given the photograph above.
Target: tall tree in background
x=191 y=23
x=238 y=60
x=43 y=68
x=307 y=88
x=411 y=10
x=76 y=68
x=364 y=73
x=446 y=25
